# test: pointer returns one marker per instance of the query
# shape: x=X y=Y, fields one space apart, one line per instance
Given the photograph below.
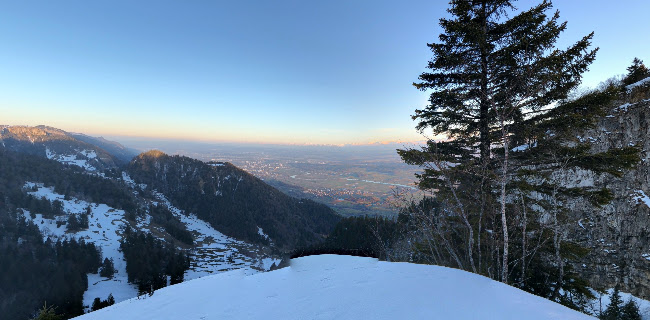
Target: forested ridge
x=233 y=201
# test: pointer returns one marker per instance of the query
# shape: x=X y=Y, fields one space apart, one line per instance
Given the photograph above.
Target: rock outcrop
x=618 y=234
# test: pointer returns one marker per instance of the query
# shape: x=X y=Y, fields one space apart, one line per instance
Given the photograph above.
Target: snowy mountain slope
x=213 y=252
x=58 y=145
x=340 y=287
x=81 y=158
x=105 y=231
x=122 y=153
x=234 y=201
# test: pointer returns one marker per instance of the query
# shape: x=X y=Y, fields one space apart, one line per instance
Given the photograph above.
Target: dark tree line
x=149 y=261
x=99 y=303
x=33 y=271
x=18 y=168
x=162 y=216
x=358 y=236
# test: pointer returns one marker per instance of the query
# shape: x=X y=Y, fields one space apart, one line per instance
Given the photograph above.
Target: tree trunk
x=504 y=221
x=484 y=130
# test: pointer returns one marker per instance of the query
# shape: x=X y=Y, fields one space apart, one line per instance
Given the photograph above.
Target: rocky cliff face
x=618 y=234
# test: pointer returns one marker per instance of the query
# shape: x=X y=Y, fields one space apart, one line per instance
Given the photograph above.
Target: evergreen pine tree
x=614 y=309
x=97 y=304
x=636 y=72
x=630 y=311
x=499 y=90
x=107 y=268
x=488 y=73
x=48 y=313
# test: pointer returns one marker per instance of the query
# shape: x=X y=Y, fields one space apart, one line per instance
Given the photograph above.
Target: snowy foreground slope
x=340 y=287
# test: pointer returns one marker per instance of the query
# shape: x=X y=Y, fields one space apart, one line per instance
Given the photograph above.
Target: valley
x=354 y=180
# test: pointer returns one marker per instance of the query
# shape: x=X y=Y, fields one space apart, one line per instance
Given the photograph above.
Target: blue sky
x=322 y=72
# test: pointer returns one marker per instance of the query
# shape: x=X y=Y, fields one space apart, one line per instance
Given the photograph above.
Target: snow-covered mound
x=340 y=287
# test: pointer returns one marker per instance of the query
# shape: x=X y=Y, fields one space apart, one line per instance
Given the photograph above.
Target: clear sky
x=322 y=72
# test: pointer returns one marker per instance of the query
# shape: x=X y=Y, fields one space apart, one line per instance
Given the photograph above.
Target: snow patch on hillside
x=73 y=159
x=638 y=83
x=105 y=226
x=341 y=287
x=260 y=231
x=523 y=147
x=640 y=197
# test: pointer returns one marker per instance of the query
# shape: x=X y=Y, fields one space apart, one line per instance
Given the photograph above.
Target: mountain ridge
x=233 y=201
x=81 y=150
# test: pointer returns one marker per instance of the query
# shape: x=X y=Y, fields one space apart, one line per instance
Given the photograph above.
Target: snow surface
x=638 y=83
x=260 y=231
x=523 y=147
x=72 y=158
x=640 y=197
x=622 y=107
x=340 y=287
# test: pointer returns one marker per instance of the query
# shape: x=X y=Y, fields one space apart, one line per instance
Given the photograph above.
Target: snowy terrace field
x=340 y=287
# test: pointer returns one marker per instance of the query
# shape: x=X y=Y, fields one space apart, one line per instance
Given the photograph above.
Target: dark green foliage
x=17 y=168
x=77 y=222
x=48 y=313
x=498 y=91
x=99 y=304
x=107 y=269
x=631 y=311
x=149 y=261
x=356 y=236
x=485 y=62
x=636 y=72
x=161 y=215
x=33 y=271
x=617 y=311
x=615 y=307
x=233 y=201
